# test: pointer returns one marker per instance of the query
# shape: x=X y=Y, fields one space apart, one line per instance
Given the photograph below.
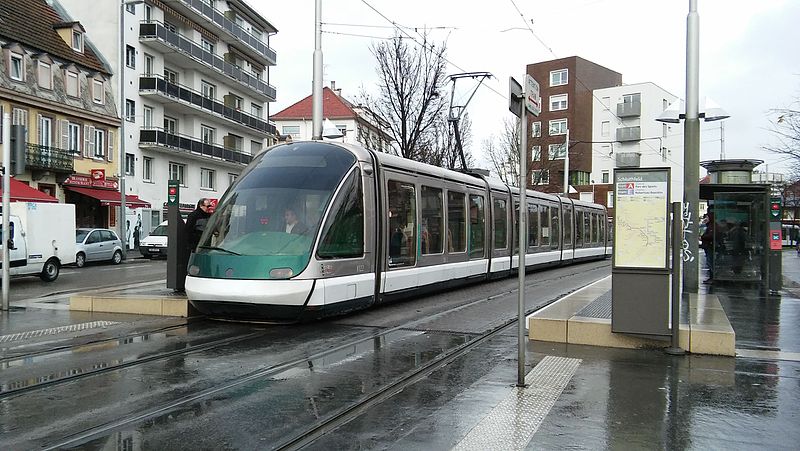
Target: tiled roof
x=333 y=107
x=32 y=24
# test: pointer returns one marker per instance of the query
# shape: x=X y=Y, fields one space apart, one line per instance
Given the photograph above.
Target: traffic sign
x=533 y=102
x=514 y=97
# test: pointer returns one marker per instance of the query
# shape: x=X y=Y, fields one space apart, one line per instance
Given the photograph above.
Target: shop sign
x=91 y=182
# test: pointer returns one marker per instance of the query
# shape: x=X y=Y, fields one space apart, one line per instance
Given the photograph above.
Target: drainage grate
x=514 y=421
x=55 y=330
x=599 y=308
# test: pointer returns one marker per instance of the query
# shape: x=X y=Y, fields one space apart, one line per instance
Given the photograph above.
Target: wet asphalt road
x=176 y=384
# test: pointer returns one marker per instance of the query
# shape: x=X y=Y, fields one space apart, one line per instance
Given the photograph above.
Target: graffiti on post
x=687 y=231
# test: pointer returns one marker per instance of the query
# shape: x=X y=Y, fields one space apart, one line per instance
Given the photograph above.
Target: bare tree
x=442 y=150
x=410 y=100
x=786 y=128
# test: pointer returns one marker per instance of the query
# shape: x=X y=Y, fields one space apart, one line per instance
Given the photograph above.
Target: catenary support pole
x=691 y=146
x=523 y=209
x=6 y=205
x=316 y=95
x=675 y=299
x=566 y=165
x=122 y=138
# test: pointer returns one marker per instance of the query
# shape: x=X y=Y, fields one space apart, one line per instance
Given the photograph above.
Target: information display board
x=641 y=218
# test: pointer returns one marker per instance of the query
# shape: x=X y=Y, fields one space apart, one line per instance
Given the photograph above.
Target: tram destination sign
x=641 y=218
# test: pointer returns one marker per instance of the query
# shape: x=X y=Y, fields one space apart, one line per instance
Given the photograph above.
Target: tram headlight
x=281 y=273
x=194 y=270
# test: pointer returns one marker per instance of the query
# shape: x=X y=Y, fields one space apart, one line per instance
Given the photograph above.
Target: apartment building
x=565 y=86
x=196 y=93
x=624 y=128
x=356 y=123
x=54 y=82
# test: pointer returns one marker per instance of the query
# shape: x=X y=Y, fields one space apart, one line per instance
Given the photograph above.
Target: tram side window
x=533 y=225
x=456 y=222
x=545 y=215
x=431 y=241
x=595 y=227
x=402 y=224
x=567 y=226
x=343 y=234
x=578 y=228
x=587 y=228
x=476 y=227
x=555 y=227
x=500 y=223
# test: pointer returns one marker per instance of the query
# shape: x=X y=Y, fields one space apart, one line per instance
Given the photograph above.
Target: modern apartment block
x=565 y=86
x=624 y=127
x=54 y=83
x=356 y=123
x=196 y=90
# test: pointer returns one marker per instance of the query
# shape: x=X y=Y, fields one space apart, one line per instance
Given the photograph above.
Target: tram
x=315 y=229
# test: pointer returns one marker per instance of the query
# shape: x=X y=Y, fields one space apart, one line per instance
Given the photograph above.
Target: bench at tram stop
x=584 y=318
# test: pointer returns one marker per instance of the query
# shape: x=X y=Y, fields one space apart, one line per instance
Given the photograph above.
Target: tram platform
x=152 y=299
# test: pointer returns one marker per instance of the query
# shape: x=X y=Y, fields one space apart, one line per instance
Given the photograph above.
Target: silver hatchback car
x=97 y=245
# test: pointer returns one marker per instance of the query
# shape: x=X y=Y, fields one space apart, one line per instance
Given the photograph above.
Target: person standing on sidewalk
x=196 y=223
x=707 y=243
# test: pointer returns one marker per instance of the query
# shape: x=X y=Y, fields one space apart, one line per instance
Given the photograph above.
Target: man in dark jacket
x=196 y=223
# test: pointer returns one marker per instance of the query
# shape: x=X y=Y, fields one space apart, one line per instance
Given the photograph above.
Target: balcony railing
x=161 y=137
x=234 y=29
x=629 y=134
x=156 y=30
x=158 y=83
x=49 y=158
x=629 y=109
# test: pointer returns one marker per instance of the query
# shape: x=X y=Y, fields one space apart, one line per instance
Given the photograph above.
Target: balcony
x=191 y=100
x=629 y=134
x=201 y=12
x=161 y=140
x=629 y=109
x=49 y=158
x=192 y=56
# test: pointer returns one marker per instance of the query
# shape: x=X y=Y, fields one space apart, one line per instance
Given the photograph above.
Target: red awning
x=110 y=198
x=21 y=192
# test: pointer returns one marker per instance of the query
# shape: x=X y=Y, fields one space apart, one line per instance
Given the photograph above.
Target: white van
x=41 y=238
x=155 y=244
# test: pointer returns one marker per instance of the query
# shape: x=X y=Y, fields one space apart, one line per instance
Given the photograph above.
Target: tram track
x=347 y=413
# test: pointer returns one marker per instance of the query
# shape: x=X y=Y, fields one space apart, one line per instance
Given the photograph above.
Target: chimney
x=333 y=86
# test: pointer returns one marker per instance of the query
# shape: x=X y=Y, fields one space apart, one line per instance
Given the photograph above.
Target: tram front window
x=275 y=207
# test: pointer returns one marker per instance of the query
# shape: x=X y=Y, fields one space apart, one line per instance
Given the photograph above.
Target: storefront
x=97 y=200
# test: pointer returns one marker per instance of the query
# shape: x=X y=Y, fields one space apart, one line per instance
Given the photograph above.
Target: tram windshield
x=276 y=206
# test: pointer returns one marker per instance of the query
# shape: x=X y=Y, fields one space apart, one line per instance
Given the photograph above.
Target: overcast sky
x=749 y=52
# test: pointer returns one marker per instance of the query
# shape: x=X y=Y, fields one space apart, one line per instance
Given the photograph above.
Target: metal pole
x=721 y=140
x=6 y=205
x=122 y=113
x=677 y=237
x=691 y=146
x=523 y=209
x=316 y=95
x=566 y=166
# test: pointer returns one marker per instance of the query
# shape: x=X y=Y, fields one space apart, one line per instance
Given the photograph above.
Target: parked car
x=155 y=244
x=93 y=245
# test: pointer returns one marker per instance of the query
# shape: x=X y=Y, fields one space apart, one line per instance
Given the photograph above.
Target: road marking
x=513 y=422
x=771 y=355
x=56 y=330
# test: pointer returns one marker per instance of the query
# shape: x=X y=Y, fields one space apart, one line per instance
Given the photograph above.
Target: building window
x=541 y=177
x=45 y=75
x=606 y=102
x=19 y=116
x=130 y=161
x=291 y=130
x=71 y=84
x=237 y=102
x=130 y=57
x=176 y=172
x=98 y=91
x=610 y=199
x=558 y=102
x=557 y=151
x=208 y=46
x=255 y=147
x=130 y=7
x=170 y=27
x=148 y=13
x=130 y=110
x=147 y=169
x=148 y=64
x=45 y=131
x=73 y=138
x=536 y=129
x=207 y=177
x=171 y=76
x=605 y=129
x=537 y=153
x=170 y=124
x=17 y=68
x=77 y=41
x=234 y=142
x=605 y=176
x=256 y=110
x=209 y=90
x=558 y=127
x=99 y=143
x=559 y=77
x=147 y=112
x=207 y=134
x=232 y=178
